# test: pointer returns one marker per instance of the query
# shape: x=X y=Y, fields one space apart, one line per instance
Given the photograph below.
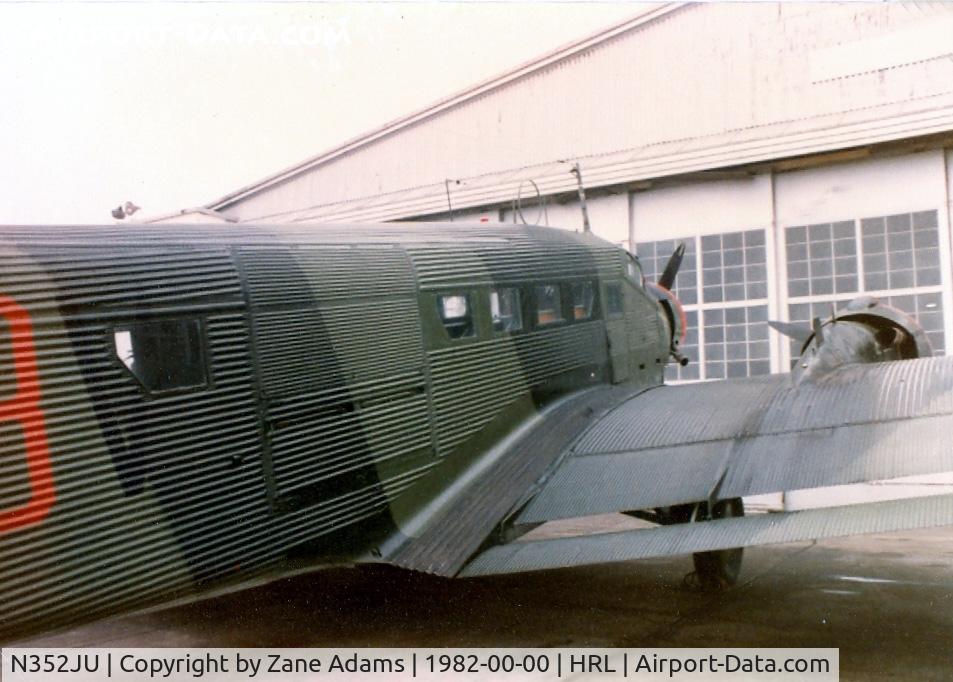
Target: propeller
x=797 y=331
x=667 y=279
x=673 y=309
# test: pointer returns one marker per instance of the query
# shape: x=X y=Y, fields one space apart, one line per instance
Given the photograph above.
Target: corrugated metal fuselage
x=206 y=401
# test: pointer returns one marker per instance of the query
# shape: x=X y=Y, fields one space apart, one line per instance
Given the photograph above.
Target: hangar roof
x=476 y=90
x=676 y=89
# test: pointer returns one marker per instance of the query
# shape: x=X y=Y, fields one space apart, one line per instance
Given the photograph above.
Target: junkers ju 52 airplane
x=187 y=407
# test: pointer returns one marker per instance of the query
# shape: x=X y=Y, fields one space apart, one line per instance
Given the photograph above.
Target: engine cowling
x=865 y=330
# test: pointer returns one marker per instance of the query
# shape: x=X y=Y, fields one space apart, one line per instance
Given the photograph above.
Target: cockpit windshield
x=633 y=269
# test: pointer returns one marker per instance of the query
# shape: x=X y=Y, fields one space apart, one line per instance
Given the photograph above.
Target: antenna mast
x=582 y=197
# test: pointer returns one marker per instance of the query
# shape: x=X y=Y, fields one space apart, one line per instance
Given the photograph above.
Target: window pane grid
x=901 y=251
x=736 y=342
x=822 y=259
x=901 y=265
x=733 y=272
x=734 y=266
x=654 y=256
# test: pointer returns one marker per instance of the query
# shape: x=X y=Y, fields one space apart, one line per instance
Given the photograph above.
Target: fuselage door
x=616 y=332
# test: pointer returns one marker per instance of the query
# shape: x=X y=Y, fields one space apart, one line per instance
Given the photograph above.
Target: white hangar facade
x=804 y=153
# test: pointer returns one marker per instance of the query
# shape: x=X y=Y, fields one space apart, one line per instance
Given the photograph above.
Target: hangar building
x=801 y=150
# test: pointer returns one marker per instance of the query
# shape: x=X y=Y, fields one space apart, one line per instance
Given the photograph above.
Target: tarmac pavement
x=885 y=600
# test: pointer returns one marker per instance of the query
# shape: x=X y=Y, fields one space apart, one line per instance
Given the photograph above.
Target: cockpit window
x=633 y=268
x=505 y=310
x=456 y=315
x=164 y=355
x=549 y=306
x=583 y=300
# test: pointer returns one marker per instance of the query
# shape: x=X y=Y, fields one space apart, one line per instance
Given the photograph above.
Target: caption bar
x=289 y=665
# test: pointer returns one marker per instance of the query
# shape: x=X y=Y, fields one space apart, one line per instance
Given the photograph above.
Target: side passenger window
x=505 y=310
x=583 y=300
x=164 y=355
x=614 y=300
x=456 y=314
x=549 y=305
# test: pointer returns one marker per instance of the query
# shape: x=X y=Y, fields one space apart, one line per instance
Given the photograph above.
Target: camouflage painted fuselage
x=315 y=402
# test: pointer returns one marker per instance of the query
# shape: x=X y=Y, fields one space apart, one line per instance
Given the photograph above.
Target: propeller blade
x=799 y=332
x=667 y=279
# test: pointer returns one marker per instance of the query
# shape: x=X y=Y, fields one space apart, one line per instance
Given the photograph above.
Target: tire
x=719 y=570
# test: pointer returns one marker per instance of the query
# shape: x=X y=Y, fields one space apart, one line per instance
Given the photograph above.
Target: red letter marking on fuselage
x=24 y=407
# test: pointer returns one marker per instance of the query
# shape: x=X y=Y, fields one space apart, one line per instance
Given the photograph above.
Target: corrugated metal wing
x=675 y=444
x=762 y=529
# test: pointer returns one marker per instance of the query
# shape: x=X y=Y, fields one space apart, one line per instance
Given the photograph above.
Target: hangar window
x=653 y=256
x=734 y=266
x=505 y=310
x=583 y=300
x=614 y=300
x=549 y=306
x=164 y=355
x=456 y=315
x=736 y=342
x=893 y=257
x=901 y=251
x=822 y=259
x=722 y=275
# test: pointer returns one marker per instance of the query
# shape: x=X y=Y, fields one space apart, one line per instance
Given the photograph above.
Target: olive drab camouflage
x=188 y=407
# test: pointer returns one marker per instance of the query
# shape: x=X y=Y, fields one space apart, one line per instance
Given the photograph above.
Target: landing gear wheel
x=718 y=570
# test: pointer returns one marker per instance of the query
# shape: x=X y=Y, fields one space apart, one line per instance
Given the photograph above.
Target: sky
x=171 y=105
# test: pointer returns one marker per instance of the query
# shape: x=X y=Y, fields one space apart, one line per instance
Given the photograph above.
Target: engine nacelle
x=866 y=330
